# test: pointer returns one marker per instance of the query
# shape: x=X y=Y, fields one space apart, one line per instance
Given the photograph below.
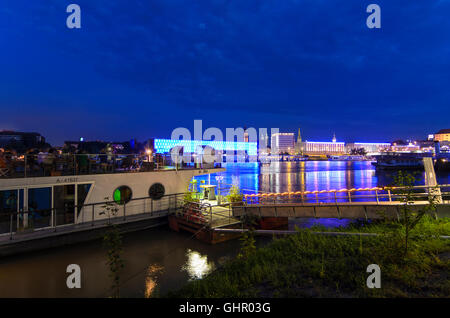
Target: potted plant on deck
x=235 y=196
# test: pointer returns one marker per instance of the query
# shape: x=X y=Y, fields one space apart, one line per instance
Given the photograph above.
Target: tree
x=410 y=216
x=235 y=195
x=15 y=145
x=113 y=242
x=358 y=152
x=248 y=241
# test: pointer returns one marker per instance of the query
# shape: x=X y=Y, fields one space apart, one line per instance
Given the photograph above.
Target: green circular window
x=122 y=195
x=156 y=191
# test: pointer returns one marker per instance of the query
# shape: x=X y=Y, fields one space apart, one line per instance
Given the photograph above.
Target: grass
x=428 y=226
x=311 y=265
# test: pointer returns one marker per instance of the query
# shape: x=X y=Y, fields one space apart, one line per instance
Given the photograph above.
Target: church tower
x=299 y=143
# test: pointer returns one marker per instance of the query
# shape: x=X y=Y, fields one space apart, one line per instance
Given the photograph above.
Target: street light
x=218 y=179
x=148 y=152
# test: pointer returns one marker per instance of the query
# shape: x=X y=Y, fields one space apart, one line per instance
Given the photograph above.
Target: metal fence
x=206 y=214
x=377 y=194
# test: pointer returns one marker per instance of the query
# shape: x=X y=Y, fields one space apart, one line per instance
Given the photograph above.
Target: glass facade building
x=282 y=143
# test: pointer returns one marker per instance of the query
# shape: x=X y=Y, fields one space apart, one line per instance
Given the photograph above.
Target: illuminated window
x=122 y=195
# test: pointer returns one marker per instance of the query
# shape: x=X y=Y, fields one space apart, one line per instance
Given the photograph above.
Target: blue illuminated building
x=165 y=145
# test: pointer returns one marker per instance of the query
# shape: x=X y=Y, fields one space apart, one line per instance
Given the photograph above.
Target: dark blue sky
x=142 y=68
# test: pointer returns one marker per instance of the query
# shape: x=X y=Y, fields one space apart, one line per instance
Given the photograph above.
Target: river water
x=309 y=176
x=158 y=260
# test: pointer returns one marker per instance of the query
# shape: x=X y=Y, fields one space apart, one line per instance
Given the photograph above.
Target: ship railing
x=15 y=224
x=56 y=164
x=379 y=195
x=206 y=214
x=194 y=211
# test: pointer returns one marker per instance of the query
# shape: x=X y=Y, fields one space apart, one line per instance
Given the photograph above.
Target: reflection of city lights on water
x=150 y=279
x=197 y=265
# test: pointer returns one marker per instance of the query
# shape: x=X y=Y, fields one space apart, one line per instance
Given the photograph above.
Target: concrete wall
x=352 y=211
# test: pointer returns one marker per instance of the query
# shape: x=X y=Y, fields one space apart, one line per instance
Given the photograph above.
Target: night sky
x=139 y=69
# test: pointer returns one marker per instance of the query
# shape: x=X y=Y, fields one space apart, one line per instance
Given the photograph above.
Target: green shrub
x=235 y=195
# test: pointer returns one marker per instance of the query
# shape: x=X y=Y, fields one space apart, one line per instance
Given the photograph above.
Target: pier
x=216 y=223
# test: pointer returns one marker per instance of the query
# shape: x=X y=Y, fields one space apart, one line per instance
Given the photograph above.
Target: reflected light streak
x=150 y=279
x=197 y=266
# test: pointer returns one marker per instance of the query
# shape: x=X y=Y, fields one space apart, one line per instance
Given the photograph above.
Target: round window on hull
x=122 y=195
x=156 y=191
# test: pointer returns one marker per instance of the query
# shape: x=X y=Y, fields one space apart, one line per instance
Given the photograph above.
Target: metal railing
x=15 y=224
x=54 y=164
x=204 y=213
x=377 y=194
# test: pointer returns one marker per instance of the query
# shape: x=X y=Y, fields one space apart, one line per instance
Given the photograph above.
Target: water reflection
x=197 y=265
x=309 y=176
x=151 y=279
x=154 y=260
x=326 y=222
x=245 y=175
x=316 y=176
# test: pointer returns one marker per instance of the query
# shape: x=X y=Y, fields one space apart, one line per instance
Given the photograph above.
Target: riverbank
x=309 y=265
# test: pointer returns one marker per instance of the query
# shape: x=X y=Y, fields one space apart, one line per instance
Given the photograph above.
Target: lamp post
x=148 y=152
x=218 y=179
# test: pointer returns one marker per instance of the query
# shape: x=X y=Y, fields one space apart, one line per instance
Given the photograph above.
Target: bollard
x=54 y=219
x=10 y=226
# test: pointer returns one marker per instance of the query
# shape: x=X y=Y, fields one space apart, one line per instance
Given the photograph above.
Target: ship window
x=83 y=190
x=64 y=204
x=156 y=191
x=8 y=204
x=39 y=207
x=122 y=195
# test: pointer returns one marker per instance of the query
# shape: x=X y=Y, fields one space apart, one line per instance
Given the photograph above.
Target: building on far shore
x=369 y=147
x=323 y=148
x=20 y=140
x=282 y=143
x=98 y=146
x=442 y=135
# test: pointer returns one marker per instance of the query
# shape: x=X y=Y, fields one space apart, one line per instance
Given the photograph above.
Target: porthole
x=122 y=195
x=156 y=191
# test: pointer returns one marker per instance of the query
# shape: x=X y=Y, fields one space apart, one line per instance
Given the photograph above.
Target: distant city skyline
x=295 y=134
x=142 y=70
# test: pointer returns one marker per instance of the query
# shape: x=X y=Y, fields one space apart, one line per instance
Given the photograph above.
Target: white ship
x=398 y=161
x=65 y=194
